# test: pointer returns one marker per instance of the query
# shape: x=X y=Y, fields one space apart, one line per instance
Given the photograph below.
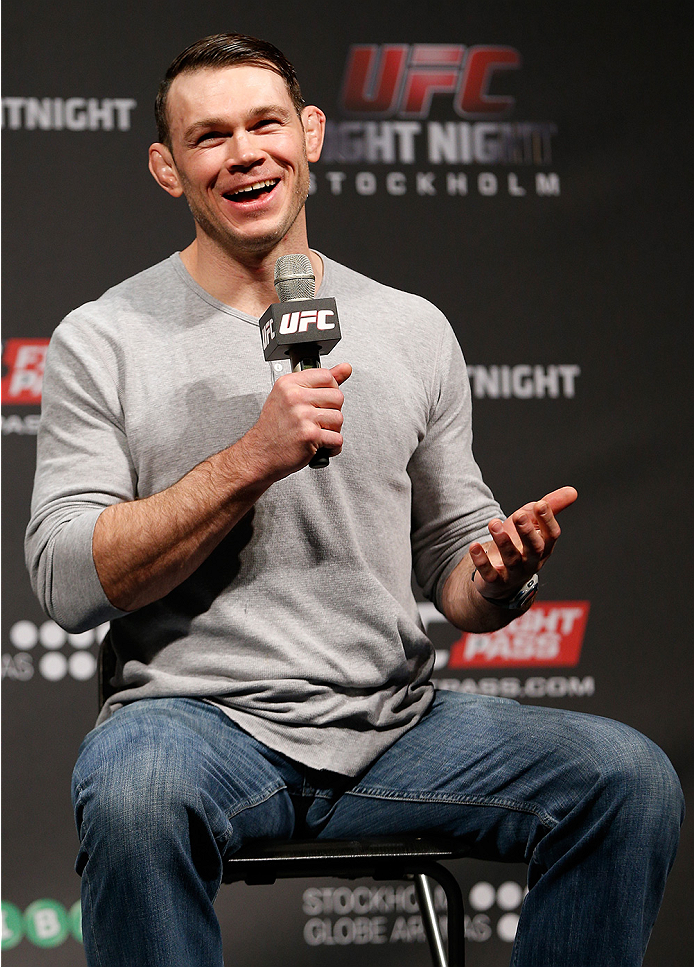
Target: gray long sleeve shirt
x=301 y=624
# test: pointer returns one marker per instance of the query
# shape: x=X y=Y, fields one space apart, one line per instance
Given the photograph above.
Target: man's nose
x=243 y=151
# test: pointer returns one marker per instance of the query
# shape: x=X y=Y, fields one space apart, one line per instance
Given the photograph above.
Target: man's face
x=240 y=155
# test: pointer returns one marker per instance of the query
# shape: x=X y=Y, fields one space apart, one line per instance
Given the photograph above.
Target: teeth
x=259 y=184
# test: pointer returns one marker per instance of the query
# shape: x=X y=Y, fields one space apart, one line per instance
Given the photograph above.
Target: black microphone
x=301 y=327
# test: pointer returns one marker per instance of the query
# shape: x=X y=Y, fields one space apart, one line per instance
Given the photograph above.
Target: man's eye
x=211 y=136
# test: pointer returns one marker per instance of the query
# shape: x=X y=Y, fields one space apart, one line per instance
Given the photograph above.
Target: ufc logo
x=401 y=79
x=292 y=322
x=267 y=333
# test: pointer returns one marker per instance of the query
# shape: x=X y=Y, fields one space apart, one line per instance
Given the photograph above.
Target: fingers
x=321 y=377
x=500 y=557
x=509 y=550
x=499 y=565
x=548 y=525
x=530 y=534
x=318 y=417
x=518 y=541
x=519 y=545
x=309 y=377
x=480 y=559
x=532 y=531
x=533 y=539
x=331 y=443
x=558 y=500
x=320 y=380
x=543 y=513
x=316 y=387
x=326 y=418
x=302 y=414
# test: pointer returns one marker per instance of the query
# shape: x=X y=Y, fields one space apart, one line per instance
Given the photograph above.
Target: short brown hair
x=224 y=50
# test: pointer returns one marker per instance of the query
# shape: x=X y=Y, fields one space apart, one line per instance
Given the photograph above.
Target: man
x=273 y=676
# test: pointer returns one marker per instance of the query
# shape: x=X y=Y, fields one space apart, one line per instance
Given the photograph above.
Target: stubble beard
x=236 y=244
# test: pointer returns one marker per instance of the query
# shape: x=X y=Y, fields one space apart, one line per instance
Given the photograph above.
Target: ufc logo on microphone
x=300 y=321
x=267 y=333
x=400 y=79
x=284 y=325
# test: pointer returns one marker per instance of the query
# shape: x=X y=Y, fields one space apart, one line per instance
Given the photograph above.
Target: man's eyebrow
x=270 y=109
x=265 y=110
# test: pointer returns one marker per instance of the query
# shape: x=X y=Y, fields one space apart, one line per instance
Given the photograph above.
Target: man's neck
x=246 y=285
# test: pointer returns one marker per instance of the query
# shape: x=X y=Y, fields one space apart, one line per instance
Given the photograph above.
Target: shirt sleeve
x=83 y=466
x=451 y=504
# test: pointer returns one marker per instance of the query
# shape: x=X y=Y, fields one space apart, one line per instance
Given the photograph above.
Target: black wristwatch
x=519 y=600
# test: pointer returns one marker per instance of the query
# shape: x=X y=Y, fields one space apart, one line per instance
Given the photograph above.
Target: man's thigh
x=496 y=773
x=159 y=758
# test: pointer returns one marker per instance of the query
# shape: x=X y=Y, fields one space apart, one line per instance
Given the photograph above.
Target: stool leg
x=455 y=909
x=427 y=909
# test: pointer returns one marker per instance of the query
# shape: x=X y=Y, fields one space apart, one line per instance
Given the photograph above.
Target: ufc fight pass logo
x=399 y=80
x=550 y=633
x=23 y=362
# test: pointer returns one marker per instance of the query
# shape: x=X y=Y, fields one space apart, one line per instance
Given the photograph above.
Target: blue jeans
x=166 y=787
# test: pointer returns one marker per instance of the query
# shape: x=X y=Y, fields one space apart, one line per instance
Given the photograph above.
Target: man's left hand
x=520 y=545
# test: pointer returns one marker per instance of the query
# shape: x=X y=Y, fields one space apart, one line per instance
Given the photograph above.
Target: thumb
x=341 y=372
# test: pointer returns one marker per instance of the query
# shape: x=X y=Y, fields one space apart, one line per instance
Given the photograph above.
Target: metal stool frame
x=407 y=858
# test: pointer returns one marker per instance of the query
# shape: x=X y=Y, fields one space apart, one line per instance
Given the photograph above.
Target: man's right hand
x=145 y=548
x=302 y=414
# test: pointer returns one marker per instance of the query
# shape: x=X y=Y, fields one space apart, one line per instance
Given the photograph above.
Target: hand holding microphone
x=300 y=326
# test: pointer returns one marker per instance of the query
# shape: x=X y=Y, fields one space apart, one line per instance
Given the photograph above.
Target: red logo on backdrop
x=401 y=79
x=24 y=360
x=551 y=633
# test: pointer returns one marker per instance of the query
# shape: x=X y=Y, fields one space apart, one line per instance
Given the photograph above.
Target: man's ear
x=313 y=121
x=163 y=169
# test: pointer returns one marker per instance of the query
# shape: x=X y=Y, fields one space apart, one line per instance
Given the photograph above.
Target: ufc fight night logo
x=387 y=96
x=399 y=80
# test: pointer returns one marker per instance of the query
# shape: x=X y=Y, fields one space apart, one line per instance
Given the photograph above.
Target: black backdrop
x=563 y=264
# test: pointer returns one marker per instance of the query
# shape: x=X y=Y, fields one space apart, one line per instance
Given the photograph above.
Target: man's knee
x=639 y=779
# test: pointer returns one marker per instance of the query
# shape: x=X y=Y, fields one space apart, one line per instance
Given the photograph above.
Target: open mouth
x=251 y=192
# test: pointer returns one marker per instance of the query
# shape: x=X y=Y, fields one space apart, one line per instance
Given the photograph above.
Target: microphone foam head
x=294 y=278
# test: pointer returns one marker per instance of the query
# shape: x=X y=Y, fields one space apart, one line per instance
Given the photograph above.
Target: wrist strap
x=519 y=600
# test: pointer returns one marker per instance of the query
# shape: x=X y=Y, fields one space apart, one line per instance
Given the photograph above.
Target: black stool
x=405 y=858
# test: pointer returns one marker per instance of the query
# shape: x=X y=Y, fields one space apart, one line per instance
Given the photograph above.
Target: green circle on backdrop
x=75 y=915
x=12 y=926
x=46 y=923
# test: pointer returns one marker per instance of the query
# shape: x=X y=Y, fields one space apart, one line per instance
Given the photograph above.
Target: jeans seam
x=256 y=800
x=87 y=888
x=491 y=801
